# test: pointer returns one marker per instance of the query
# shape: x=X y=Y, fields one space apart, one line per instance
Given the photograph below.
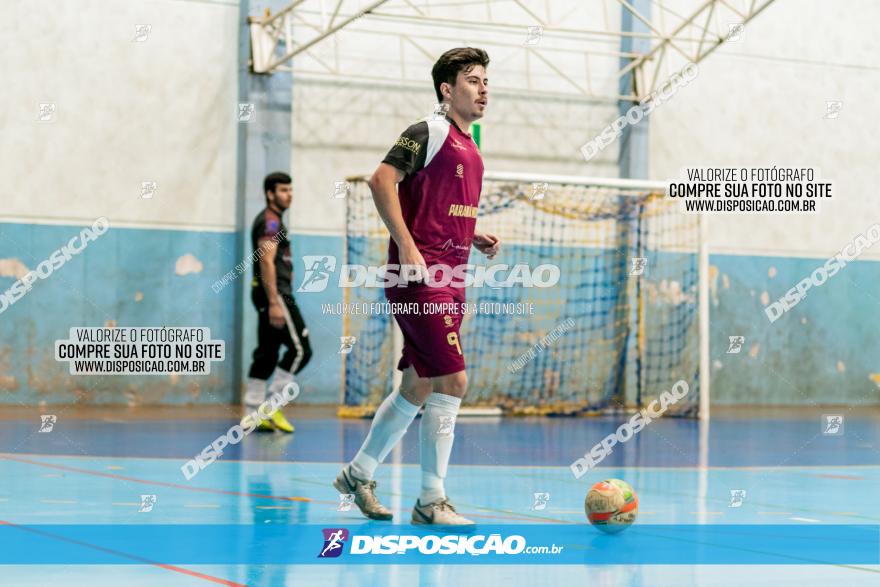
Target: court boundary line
x=514 y=516
x=510 y=514
x=119 y=553
x=339 y=463
x=162 y=483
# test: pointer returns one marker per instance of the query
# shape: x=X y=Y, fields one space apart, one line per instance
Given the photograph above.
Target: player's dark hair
x=273 y=179
x=452 y=62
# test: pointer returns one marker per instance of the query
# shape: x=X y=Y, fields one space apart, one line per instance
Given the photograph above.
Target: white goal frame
x=635 y=184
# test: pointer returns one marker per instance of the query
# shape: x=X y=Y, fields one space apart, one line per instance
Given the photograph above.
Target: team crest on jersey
x=447 y=320
x=459 y=171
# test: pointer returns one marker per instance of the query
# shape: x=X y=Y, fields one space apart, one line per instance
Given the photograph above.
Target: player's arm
x=406 y=157
x=269 y=248
x=383 y=185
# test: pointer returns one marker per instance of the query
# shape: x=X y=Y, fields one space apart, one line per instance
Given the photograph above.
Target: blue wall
x=98 y=287
x=821 y=352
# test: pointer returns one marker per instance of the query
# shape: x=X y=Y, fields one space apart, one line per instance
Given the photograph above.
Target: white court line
x=770 y=468
x=79 y=222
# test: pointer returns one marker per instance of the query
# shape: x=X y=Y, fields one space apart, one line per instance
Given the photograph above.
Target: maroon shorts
x=430 y=320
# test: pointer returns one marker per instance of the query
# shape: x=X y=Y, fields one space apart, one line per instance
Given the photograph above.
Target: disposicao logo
x=334 y=539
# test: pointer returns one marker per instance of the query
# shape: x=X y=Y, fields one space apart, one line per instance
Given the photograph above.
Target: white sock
x=389 y=425
x=437 y=431
x=255 y=392
x=280 y=378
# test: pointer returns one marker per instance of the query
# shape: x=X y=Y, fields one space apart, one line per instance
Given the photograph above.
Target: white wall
x=344 y=126
x=761 y=102
x=163 y=110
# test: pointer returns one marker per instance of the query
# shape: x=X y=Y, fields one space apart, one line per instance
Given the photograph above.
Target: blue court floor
x=95 y=470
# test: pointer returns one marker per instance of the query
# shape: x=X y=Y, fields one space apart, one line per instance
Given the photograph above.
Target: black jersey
x=269 y=227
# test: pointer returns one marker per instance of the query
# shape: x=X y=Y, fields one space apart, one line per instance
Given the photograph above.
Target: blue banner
x=378 y=543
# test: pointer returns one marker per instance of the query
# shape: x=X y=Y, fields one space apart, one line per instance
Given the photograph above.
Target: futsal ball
x=611 y=506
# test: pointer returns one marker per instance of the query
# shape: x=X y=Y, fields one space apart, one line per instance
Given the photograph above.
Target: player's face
x=282 y=196
x=470 y=94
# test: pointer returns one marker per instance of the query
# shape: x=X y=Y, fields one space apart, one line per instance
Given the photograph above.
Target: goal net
x=620 y=326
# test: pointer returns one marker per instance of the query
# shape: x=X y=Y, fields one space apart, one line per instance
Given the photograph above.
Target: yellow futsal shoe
x=265 y=426
x=280 y=421
x=262 y=426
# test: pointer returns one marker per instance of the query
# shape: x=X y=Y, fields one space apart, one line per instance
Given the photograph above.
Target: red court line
x=218 y=491
x=162 y=483
x=118 y=553
x=522 y=518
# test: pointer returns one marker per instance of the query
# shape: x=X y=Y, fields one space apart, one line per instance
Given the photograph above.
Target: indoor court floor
x=77 y=493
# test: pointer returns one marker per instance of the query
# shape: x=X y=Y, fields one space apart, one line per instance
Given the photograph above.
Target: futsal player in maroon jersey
x=427 y=191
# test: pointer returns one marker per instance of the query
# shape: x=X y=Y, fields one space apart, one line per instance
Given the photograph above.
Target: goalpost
x=627 y=319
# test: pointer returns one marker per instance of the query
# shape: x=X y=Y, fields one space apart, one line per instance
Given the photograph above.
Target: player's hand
x=276 y=315
x=412 y=265
x=486 y=243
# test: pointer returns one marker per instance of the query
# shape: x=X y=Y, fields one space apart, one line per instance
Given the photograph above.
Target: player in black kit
x=279 y=319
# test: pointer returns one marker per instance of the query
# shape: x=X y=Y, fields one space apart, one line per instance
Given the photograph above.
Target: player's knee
x=455 y=384
x=262 y=367
x=416 y=392
x=264 y=362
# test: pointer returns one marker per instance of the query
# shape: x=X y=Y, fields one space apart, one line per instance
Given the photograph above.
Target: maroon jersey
x=440 y=194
